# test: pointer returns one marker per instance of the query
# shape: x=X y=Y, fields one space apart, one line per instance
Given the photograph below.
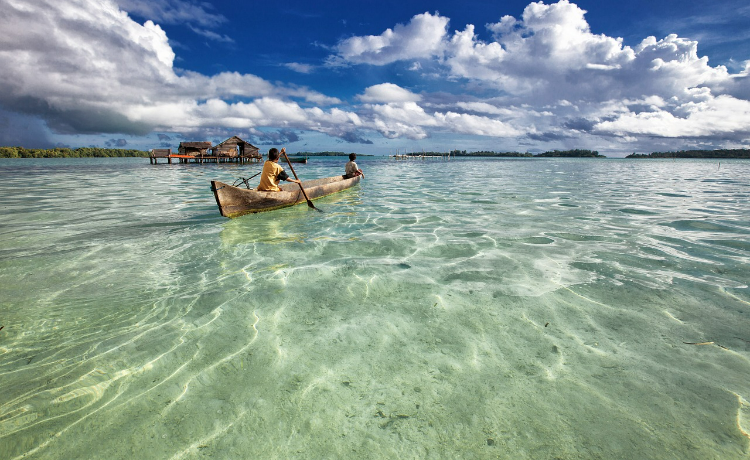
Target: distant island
x=575 y=153
x=721 y=153
x=81 y=152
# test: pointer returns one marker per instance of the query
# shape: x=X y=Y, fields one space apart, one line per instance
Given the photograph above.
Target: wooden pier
x=181 y=158
x=232 y=150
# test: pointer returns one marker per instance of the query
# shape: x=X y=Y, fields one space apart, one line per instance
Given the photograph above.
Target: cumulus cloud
x=87 y=67
x=717 y=116
x=388 y=92
x=590 y=82
x=421 y=38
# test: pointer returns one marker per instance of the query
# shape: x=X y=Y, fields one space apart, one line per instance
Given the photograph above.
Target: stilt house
x=236 y=147
x=198 y=149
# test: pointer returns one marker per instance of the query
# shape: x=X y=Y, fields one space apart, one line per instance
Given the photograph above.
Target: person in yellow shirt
x=273 y=173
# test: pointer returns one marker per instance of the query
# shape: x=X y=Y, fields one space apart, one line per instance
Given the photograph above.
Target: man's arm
x=284 y=176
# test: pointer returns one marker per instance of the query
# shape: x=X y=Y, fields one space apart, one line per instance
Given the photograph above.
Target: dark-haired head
x=352 y=156
x=273 y=154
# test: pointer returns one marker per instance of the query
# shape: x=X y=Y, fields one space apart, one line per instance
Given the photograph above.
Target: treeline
x=484 y=153
x=721 y=153
x=61 y=152
x=575 y=153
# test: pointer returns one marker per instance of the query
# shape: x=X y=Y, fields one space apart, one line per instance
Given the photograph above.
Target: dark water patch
x=576 y=237
x=721 y=181
x=702 y=226
x=641 y=212
x=537 y=240
x=673 y=195
x=707 y=211
x=568 y=205
x=470 y=235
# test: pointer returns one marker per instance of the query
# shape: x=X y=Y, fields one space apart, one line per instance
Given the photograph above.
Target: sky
x=377 y=77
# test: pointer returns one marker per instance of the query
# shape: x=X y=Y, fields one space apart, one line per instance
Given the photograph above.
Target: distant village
x=232 y=150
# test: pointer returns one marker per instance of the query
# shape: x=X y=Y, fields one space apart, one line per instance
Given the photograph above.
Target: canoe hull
x=237 y=201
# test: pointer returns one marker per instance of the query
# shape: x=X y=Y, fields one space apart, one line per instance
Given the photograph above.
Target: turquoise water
x=517 y=309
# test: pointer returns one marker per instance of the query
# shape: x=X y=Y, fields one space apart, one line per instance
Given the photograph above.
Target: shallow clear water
x=518 y=309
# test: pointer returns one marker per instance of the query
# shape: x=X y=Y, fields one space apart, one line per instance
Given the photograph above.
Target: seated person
x=273 y=173
x=351 y=168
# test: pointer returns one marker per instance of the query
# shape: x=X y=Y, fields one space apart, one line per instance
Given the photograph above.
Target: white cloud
x=421 y=38
x=477 y=125
x=388 y=92
x=408 y=119
x=301 y=68
x=551 y=58
x=723 y=116
x=87 y=67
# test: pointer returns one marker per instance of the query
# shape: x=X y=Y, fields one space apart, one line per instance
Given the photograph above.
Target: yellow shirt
x=269 y=178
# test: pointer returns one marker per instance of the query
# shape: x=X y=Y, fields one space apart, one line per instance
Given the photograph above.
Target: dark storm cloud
x=547 y=137
x=355 y=138
x=580 y=124
x=280 y=137
x=23 y=131
x=116 y=143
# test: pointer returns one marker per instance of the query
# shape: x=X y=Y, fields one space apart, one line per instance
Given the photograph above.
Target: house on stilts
x=232 y=150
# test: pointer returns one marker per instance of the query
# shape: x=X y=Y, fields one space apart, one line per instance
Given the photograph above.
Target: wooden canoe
x=236 y=201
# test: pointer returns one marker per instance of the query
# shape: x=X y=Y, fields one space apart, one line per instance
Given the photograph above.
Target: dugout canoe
x=236 y=201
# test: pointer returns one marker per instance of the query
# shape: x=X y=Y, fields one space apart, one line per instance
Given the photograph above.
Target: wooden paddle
x=309 y=203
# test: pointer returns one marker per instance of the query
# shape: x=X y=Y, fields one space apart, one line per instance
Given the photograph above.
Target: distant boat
x=298 y=159
x=236 y=201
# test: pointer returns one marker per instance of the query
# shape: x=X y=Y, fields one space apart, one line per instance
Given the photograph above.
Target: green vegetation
x=81 y=152
x=464 y=153
x=721 y=153
x=575 y=153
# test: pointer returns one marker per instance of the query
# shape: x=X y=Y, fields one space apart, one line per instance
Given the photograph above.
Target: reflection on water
x=554 y=309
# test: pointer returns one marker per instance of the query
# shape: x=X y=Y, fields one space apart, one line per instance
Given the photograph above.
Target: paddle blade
x=312 y=206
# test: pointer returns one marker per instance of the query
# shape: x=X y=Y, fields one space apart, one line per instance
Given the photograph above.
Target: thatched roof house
x=194 y=148
x=234 y=146
x=160 y=153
